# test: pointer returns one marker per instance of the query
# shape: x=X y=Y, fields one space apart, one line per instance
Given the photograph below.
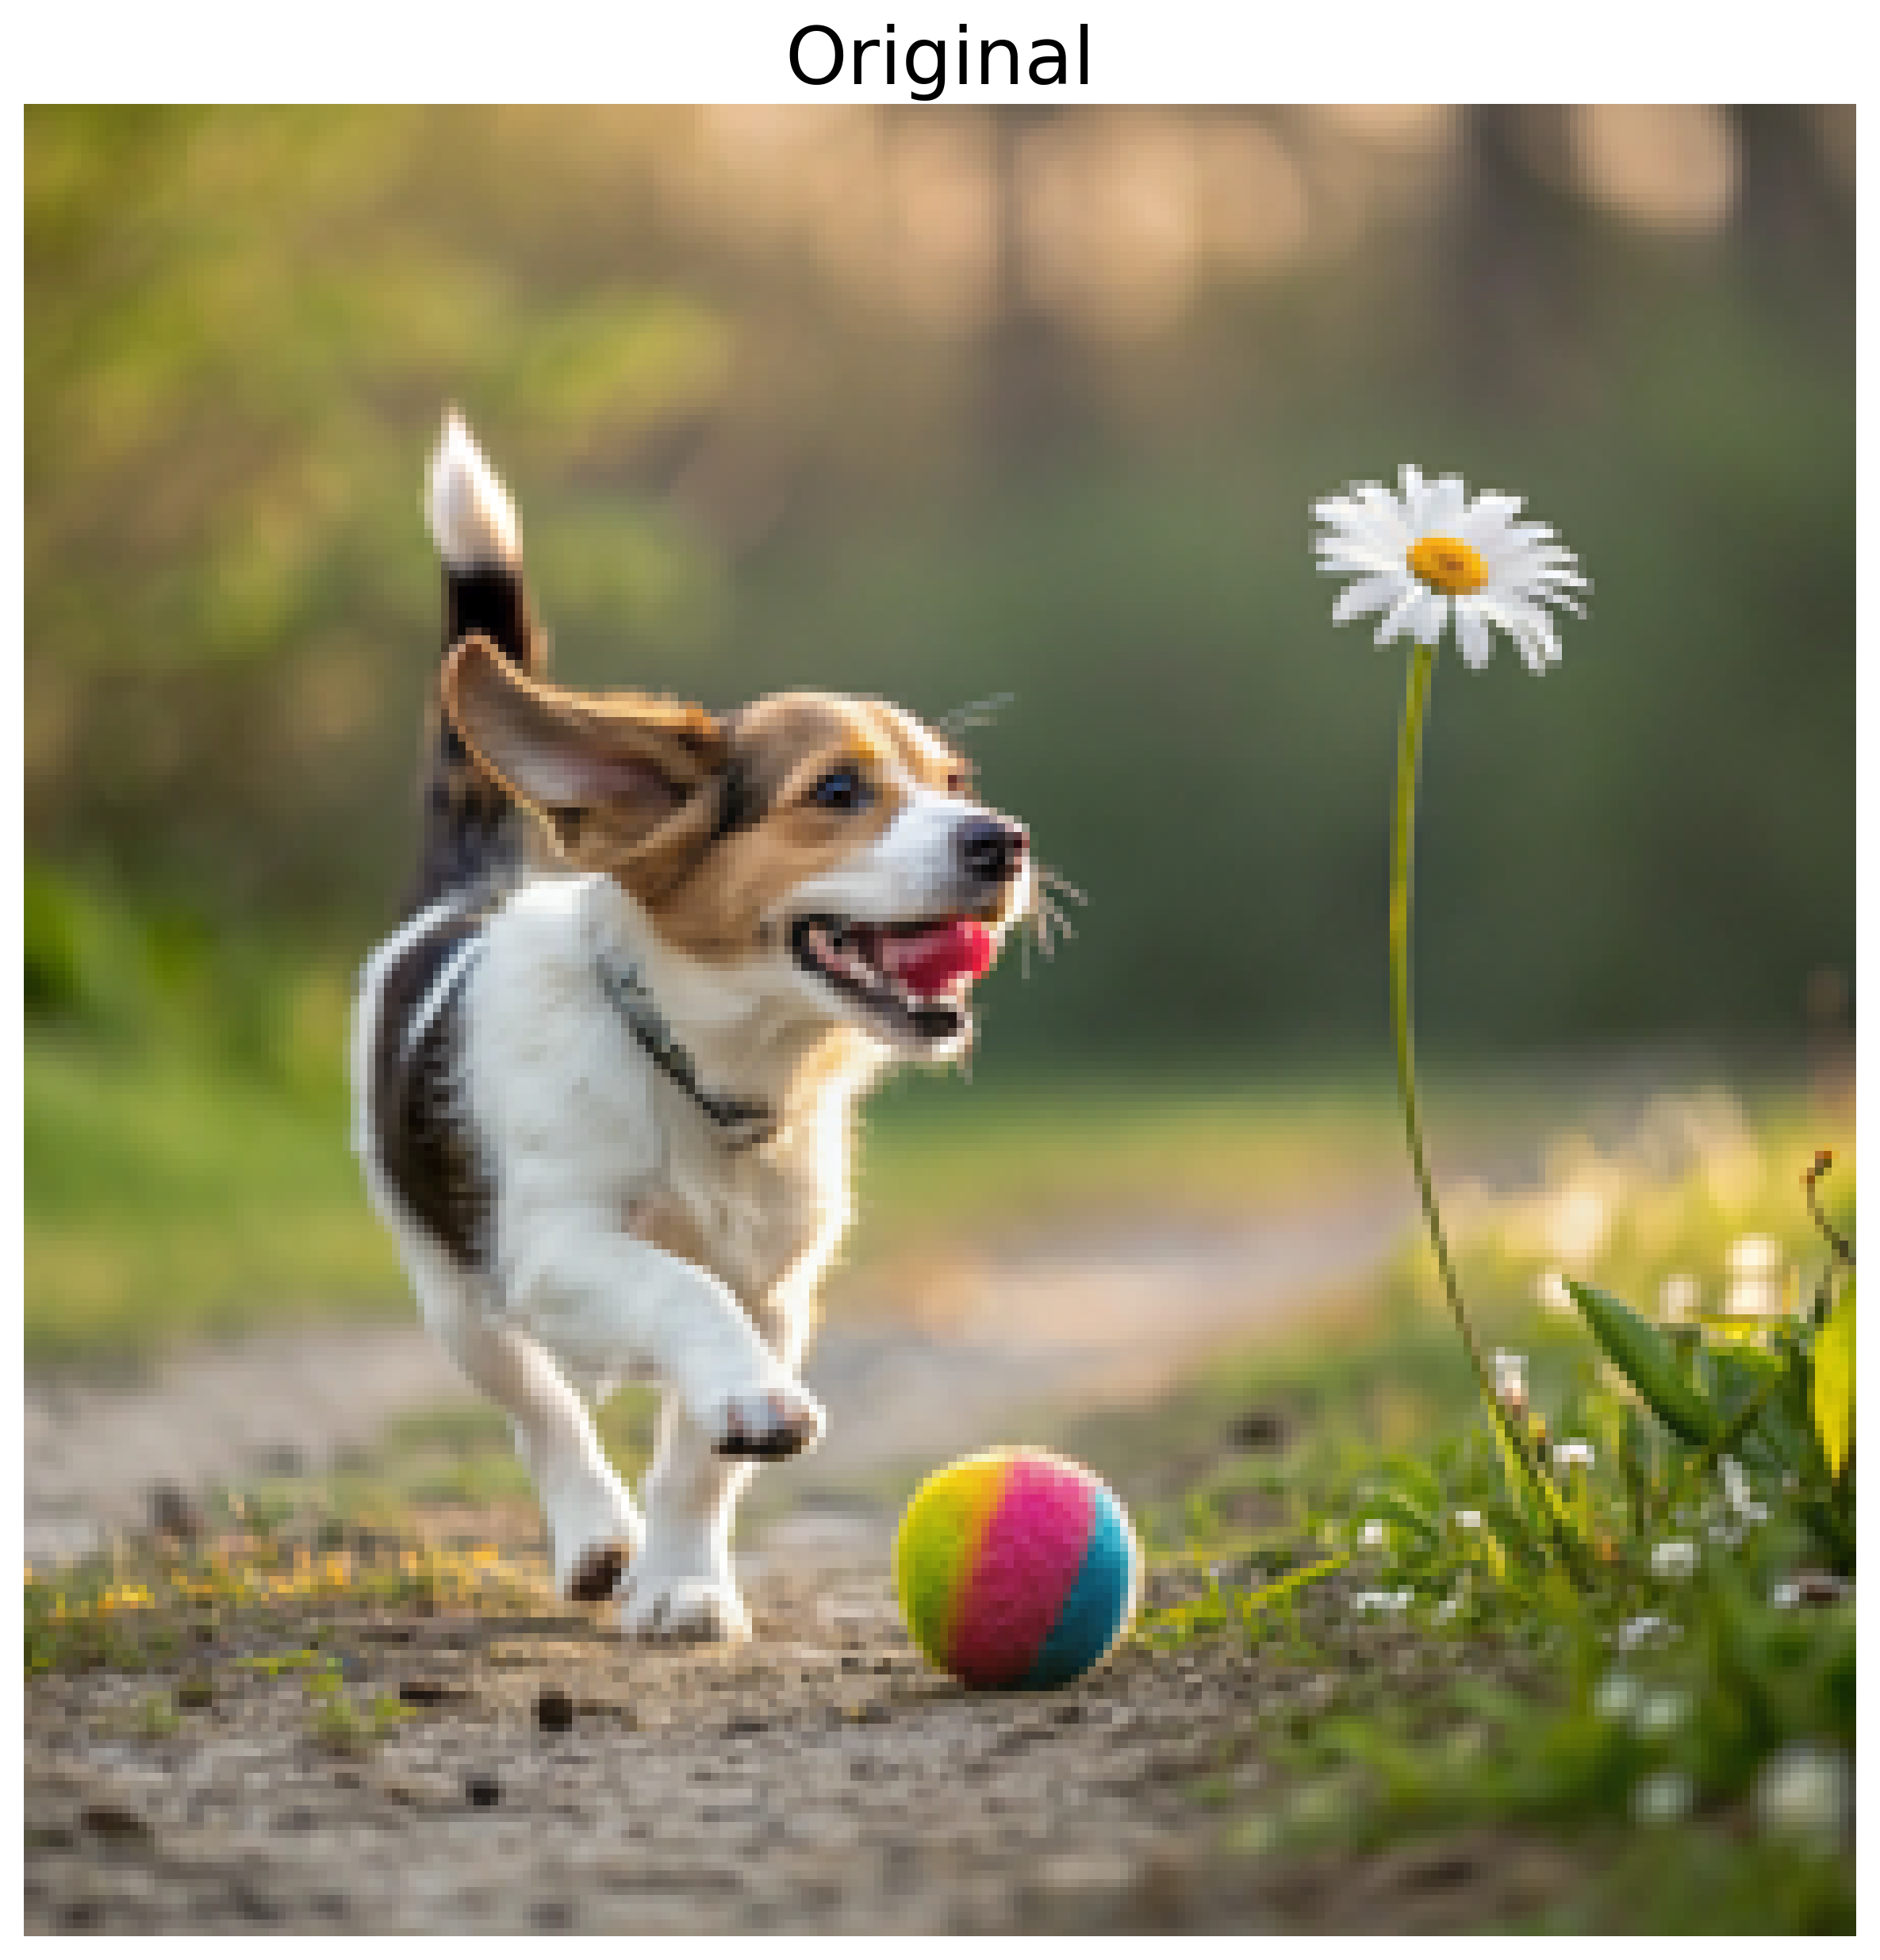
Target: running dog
x=603 y=1073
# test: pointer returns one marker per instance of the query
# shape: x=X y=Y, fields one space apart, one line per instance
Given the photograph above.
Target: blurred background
x=940 y=405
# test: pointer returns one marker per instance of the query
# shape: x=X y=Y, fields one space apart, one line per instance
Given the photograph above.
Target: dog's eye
x=845 y=788
x=960 y=783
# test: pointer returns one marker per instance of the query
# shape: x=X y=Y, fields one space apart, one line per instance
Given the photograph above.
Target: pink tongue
x=929 y=960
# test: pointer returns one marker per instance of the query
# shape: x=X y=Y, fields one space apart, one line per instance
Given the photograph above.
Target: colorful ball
x=1016 y=1569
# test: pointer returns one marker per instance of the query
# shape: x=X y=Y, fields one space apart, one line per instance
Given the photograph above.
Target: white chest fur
x=577 y=1119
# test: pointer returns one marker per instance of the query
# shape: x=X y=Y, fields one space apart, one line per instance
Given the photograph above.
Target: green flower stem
x=1403 y=834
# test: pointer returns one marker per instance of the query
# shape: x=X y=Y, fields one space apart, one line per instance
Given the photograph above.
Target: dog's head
x=831 y=845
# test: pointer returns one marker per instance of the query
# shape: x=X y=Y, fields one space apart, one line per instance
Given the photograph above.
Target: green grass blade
x=1832 y=1394
x=1643 y=1355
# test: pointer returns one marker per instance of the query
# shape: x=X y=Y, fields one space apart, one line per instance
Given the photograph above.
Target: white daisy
x=1432 y=551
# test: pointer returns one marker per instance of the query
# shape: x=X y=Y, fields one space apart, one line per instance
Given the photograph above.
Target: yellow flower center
x=1449 y=565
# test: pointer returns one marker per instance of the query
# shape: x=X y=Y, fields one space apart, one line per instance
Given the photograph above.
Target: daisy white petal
x=1349 y=554
x=1398 y=617
x=1431 y=617
x=1486 y=517
x=1444 y=505
x=1473 y=634
x=1368 y=595
x=1343 y=513
x=1411 y=494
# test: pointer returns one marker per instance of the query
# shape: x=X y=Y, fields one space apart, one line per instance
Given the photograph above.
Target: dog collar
x=750 y=1123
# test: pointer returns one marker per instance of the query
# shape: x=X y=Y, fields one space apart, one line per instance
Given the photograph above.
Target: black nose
x=990 y=849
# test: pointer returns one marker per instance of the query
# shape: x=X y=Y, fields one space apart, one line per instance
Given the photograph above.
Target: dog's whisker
x=974 y=715
x=1048 y=910
x=1048 y=874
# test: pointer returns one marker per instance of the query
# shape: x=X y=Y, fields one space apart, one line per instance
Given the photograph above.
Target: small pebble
x=554 y=1710
x=115 y=1821
x=425 y=1693
x=482 y=1789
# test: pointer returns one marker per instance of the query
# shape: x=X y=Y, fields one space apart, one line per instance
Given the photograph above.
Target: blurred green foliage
x=746 y=459
x=738 y=470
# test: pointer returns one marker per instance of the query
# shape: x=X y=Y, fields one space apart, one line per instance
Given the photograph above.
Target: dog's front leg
x=681 y=1586
x=603 y=1301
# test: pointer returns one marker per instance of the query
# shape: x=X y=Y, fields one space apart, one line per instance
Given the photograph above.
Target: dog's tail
x=474 y=833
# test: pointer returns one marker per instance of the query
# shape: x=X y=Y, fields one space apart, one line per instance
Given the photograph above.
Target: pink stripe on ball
x=1029 y=1559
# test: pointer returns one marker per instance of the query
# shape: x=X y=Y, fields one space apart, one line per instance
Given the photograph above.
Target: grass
x=1336 y=1506
x=257 y=1580
x=169 y=1195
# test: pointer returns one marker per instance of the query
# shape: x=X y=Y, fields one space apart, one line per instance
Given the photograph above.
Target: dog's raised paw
x=779 y=1422
x=597 y=1571
x=685 y=1612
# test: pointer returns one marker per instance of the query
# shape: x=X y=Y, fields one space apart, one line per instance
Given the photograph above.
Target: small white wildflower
x=1676 y=1559
x=1616 y=1696
x=1550 y=1291
x=1371 y=1533
x=1737 y=1493
x=1468 y=1520
x=1575 y=1452
x=1758 y=1296
x=1805 y=1790
x=1446 y=1609
x=1635 y=1633
x=1754 y=1253
x=1755 y=1286
x=1661 y=1711
x=1381 y=1601
x=1431 y=554
x=1680 y=1297
x=1577 y=1224
x=1510 y=1375
x=1662 y=1797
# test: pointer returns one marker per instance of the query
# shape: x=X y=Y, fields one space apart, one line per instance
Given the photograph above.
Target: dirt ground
x=547 y=1777
x=824 y=1779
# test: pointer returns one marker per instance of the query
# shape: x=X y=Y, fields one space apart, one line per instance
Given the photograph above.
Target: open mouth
x=913 y=975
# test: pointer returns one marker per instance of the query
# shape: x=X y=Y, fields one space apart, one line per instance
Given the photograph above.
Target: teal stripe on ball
x=1097 y=1608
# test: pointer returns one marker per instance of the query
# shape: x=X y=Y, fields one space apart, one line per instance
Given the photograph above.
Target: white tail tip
x=472 y=520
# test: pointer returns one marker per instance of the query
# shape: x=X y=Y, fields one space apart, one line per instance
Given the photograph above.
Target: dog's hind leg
x=596 y=1528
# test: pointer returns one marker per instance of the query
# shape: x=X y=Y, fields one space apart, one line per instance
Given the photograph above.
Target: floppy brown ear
x=638 y=757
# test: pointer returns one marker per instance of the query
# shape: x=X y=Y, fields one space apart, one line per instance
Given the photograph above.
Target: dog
x=604 y=1072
